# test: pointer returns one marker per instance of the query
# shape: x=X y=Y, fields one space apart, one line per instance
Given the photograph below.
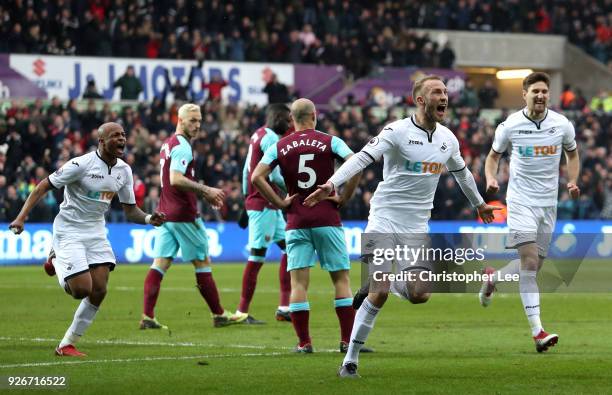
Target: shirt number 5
x=302 y=168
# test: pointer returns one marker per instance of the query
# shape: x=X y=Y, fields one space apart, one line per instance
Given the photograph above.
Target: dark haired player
x=266 y=222
x=537 y=136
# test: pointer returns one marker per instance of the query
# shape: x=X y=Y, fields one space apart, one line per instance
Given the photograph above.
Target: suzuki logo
x=39 y=67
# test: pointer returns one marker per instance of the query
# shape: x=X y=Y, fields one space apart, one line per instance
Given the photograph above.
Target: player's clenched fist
x=16 y=226
x=492 y=186
x=157 y=219
x=573 y=190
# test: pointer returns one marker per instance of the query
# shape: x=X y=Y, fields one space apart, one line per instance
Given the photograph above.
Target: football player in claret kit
x=266 y=222
x=81 y=256
x=184 y=228
x=414 y=149
x=306 y=158
x=537 y=136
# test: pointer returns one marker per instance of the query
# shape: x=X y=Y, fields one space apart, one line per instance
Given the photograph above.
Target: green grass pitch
x=448 y=345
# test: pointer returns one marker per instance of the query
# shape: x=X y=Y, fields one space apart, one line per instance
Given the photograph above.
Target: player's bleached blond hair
x=187 y=108
x=418 y=85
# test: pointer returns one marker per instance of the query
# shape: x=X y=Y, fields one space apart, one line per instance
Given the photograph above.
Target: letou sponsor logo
x=423 y=167
x=537 y=150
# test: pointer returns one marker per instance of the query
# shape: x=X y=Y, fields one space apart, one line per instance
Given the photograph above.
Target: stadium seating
x=358 y=34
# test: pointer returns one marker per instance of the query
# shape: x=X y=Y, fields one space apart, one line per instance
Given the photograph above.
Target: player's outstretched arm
x=573 y=170
x=349 y=169
x=321 y=193
x=456 y=165
x=259 y=180
x=134 y=214
x=349 y=189
x=41 y=189
x=491 y=166
x=485 y=212
x=214 y=196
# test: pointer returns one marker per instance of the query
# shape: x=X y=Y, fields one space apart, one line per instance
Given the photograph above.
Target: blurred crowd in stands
x=36 y=138
x=357 y=34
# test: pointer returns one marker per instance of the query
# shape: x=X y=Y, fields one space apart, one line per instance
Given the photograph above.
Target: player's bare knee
x=418 y=298
x=419 y=291
x=529 y=262
x=162 y=263
x=79 y=292
x=378 y=298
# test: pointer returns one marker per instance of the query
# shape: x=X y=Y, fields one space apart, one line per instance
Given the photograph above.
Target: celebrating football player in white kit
x=414 y=149
x=83 y=254
x=536 y=135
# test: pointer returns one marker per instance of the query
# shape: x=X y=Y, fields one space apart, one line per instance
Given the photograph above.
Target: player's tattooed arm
x=134 y=214
x=35 y=196
x=259 y=180
x=491 y=166
x=214 y=196
x=573 y=170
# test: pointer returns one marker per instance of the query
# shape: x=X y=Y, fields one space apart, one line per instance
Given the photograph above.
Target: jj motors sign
x=66 y=77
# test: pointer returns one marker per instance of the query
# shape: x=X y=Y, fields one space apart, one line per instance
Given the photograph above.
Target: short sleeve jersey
x=307 y=159
x=261 y=140
x=178 y=205
x=535 y=155
x=90 y=185
x=413 y=159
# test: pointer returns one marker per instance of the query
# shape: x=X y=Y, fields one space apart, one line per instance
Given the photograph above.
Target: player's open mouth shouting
x=441 y=109
x=120 y=149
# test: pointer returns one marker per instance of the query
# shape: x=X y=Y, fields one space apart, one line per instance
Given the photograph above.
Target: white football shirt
x=413 y=161
x=90 y=185
x=535 y=155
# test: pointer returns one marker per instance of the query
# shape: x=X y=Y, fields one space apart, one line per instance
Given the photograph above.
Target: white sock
x=284 y=309
x=364 y=322
x=513 y=267
x=83 y=317
x=530 y=296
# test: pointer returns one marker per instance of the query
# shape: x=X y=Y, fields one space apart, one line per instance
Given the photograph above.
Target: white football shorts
x=531 y=224
x=385 y=234
x=76 y=253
